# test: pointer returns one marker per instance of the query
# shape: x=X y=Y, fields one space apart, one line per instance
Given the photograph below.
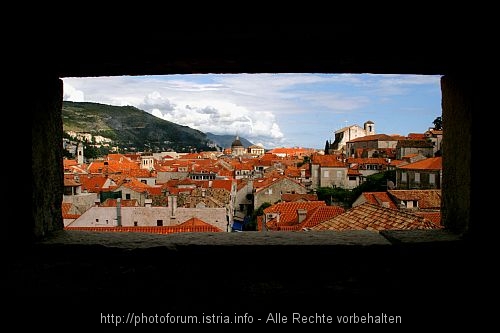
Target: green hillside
x=131 y=128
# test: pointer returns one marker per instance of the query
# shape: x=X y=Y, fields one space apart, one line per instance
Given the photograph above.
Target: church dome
x=236 y=143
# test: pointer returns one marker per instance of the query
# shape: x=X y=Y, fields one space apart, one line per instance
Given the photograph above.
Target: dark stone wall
x=46 y=160
x=459 y=101
x=259 y=48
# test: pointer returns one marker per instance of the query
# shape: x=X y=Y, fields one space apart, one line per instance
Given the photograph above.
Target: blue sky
x=274 y=110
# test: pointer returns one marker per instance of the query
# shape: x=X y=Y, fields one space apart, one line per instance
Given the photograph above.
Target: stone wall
x=46 y=161
x=284 y=185
x=148 y=216
x=460 y=100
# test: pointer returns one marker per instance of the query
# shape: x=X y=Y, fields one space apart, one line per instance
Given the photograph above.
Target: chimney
x=385 y=204
x=119 y=212
x=302 y=214
x=172 y=204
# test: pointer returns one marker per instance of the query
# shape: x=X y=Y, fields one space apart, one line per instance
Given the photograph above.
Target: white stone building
x=150 y=216
x=346 y=134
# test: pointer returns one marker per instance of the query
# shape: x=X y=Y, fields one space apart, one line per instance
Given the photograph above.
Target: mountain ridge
x=225 y=140
x=132 y=129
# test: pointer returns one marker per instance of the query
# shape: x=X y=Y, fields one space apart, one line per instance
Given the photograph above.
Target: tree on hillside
x=438 y=123
x=334 y=195
x=327 y=147
x=252 y=225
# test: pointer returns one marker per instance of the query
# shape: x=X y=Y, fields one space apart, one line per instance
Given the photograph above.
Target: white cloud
x=224 y=117
x=72 y=94
x=155 y=101
x=296 y=109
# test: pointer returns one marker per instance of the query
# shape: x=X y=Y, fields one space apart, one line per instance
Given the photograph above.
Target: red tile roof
x=136 y=185
x=68 y=163
x=377 y=198
x=427 y=199
x=194 y=222
x=371 y=217
x=292 y=171
x=434 y=217
x=367 y=160
x=328 y=161
x=226 y=184
x=119 y=157
x=288 y=210
x=93 y=183
x=396 y=162
x=124 y=203
x=291 y=151
x=66 y=211
x=192 y=156
x=353 y=172
x=140 y=173
x=416 y=136
x=71 y=182
x=321 y=214
x=411 y=143
x=375 y=137
x=154 y=229
x=432 y=163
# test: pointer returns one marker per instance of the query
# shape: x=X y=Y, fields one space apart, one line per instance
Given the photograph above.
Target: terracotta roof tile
x=367 y=160
x=68 y=163
x=68 y=211
x=288 y=210
x=136 y=185
x=353 y=172
x=371 y=217
x=432 y=163
x=71 y=182
x=427 y=199
x=434 y=217
x=375 y=137
x=321 y=214
x=154 y=229
x=416 y=136
x=93 y=183
x=410 y=143
x=378 y=198
x=124 y=203
x=328 y=161
x=194 y=222
x=396 y=162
